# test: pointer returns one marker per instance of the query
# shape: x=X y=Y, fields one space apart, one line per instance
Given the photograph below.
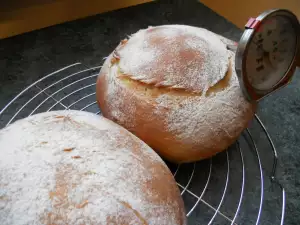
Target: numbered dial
x=271 y=52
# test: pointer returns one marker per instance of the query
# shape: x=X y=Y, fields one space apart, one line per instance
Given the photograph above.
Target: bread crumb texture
x=116 y=180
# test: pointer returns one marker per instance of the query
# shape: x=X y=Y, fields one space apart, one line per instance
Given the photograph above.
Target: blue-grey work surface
x=28 y=57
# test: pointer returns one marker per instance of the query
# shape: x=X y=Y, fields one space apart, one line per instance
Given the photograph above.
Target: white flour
x=175 y=56
x=71 y=167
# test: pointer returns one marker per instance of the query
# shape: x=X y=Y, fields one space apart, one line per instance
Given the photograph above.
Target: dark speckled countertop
x=27 y=57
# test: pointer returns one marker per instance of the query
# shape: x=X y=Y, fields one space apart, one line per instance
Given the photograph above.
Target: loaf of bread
x=72 y=167
x=175 y=87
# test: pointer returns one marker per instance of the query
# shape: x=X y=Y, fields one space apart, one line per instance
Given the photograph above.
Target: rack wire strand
x=261 y=177
x=243 y=183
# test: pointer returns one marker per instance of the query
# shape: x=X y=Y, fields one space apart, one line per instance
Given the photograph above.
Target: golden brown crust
x=151 y=128
x=181 y=125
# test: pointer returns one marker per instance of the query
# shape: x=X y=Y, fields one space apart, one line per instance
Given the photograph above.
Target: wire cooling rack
x=237 y=186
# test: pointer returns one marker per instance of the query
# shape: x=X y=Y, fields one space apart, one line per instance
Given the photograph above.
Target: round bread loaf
x=72 y=167
x=176 y=88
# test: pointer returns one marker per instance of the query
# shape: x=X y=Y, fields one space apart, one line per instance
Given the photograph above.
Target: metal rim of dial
x=251 y=92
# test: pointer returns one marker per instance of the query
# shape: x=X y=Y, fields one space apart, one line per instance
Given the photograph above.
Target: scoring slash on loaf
x=72 y=167
x=175 y=87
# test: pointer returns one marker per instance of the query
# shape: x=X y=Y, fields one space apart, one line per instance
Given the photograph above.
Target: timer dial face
x=270 y=52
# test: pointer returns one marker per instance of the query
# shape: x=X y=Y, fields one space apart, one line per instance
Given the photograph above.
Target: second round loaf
x=175 y=87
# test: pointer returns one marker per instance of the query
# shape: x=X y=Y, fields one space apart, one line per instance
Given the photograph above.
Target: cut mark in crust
x=154 y=90
x=138 y=215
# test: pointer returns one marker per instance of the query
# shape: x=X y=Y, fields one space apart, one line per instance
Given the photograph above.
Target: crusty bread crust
x=72 y=167
x=187 y=115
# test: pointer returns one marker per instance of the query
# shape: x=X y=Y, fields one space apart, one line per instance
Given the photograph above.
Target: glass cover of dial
x=270 y=52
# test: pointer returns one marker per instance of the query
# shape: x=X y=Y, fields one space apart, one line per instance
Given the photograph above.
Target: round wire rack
x=237 y=186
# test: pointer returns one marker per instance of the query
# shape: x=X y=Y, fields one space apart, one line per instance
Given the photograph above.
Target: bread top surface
x=71 y=167
x=174 y=56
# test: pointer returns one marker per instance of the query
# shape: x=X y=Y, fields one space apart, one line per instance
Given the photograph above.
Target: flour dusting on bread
x=113 y=181
x=175 y=56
